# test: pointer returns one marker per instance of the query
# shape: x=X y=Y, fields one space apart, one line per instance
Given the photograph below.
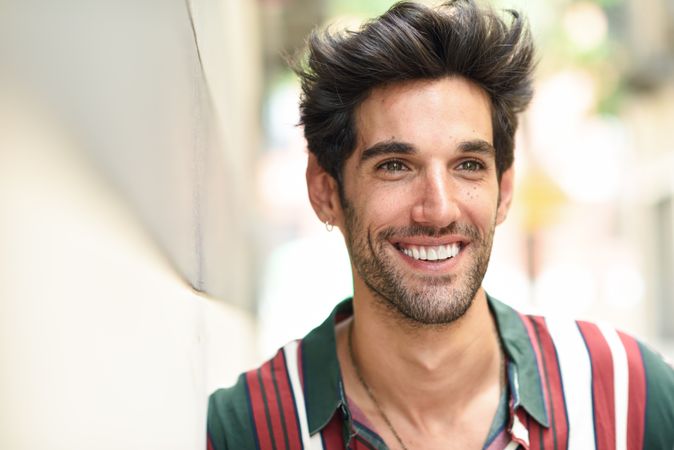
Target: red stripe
x=536 y=436
x=332 y=434
x=603 y=390
x=210 y=444
x=636 y=408
x=257 y=406
x=272 y=404
x=287 y=401
x=559 y=430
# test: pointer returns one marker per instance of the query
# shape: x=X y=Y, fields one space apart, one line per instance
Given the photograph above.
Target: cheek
x=478 y=205
x=383 y=211
x=384 y=204
x=472 y=193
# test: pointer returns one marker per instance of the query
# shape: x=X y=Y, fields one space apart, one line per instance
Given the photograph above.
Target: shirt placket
x=518 y=431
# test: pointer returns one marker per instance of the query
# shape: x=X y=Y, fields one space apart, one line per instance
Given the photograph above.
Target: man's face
x=421 y=197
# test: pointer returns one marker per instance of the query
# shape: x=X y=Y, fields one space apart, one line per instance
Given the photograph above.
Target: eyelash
x=478 y=164
x=401 y=166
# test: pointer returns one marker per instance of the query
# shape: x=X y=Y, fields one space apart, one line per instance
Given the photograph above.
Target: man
x=410 y=125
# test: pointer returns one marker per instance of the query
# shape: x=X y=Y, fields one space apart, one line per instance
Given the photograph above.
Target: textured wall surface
x=128 y=79
x=125 y=280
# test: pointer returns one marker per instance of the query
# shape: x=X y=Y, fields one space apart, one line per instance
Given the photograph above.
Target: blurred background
x=155 y=233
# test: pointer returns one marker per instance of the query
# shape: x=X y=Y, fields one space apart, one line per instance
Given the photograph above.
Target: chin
x=433 y=309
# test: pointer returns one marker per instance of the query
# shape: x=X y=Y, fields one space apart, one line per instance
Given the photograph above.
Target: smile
x=431 y=253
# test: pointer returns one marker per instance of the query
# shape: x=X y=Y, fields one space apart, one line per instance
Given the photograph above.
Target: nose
x=436 y=203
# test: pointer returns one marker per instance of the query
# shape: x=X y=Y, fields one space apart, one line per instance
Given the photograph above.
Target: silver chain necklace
x=369 y=391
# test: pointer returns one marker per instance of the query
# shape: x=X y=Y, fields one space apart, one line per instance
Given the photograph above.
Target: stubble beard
x=422 y=300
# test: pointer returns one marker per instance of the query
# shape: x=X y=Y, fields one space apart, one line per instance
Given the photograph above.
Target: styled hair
x=412 y=42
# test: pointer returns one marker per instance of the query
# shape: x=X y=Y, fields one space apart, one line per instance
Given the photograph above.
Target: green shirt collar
x=324 y=391
x=527 y=386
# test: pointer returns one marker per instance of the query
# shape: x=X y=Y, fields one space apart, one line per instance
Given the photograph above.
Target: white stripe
x=512 y=446
x=309 y=442
x=574 y=364
x=520 y=431
x=620 y=384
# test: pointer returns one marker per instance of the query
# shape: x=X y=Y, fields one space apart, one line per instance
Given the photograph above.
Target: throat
x=456 y=360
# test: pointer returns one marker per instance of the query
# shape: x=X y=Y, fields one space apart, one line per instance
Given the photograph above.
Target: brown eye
x=471 y=166
x=392 y=166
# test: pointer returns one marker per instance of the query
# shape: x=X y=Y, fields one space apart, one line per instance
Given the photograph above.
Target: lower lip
x=432 y=266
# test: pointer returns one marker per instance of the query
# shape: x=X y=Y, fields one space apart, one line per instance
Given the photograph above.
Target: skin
x=424 y=174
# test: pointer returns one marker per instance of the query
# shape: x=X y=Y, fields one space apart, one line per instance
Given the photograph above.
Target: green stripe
x=229 y=419
x=659 y=420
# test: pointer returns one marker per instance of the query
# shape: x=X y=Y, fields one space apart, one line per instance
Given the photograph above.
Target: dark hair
x=410 y=42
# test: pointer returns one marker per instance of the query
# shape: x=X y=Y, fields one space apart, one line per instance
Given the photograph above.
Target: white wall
x=167 y=108
x=123 y=184
x=102 y=344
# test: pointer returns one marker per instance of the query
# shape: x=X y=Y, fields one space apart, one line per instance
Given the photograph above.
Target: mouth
x=433 y=253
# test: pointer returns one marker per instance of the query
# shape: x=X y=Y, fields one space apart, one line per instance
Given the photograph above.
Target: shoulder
x=620 y=371
x=659 y=387
x=605 y=346
x=260 y=408
x=229 y=417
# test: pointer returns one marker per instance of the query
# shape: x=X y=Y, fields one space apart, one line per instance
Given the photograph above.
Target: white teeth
x=454 y=250
x=434 y=253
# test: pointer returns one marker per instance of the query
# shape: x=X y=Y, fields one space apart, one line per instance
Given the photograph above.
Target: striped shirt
x=571 y=384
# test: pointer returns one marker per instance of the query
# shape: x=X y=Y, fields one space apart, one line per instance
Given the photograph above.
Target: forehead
x=435 y=113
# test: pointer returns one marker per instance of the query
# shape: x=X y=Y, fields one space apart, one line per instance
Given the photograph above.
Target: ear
x=323 y=192
x=506 y=187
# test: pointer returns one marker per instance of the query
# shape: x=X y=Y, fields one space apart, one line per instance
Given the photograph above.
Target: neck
x=451 y=365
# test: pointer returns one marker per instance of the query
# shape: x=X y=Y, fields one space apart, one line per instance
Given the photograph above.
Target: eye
x=471 y=165
x=393 y=165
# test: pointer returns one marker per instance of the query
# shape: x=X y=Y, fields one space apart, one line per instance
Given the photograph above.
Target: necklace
x=369 y=391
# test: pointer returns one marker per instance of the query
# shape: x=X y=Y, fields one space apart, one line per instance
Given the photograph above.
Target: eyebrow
x=387 y=148
x=477 y=146
x=403 y=148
